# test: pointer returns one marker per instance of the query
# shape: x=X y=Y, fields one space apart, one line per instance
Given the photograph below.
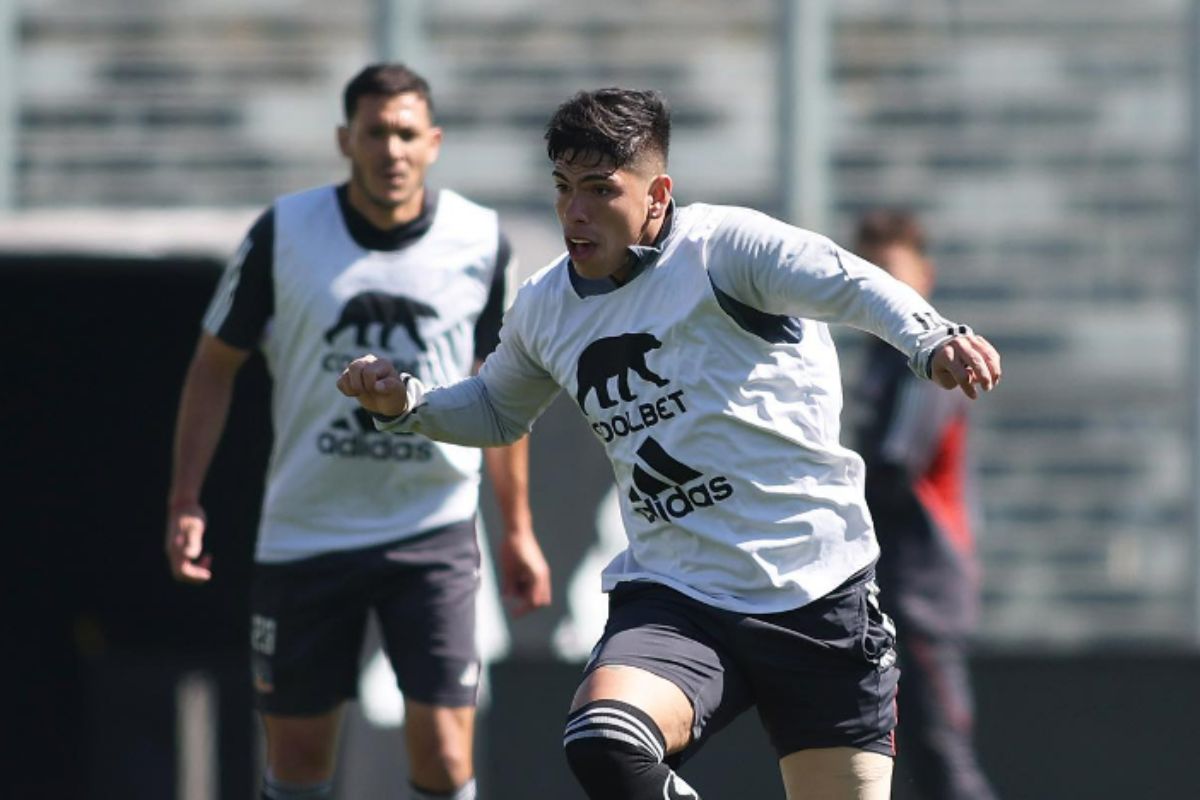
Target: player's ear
x=343 y=140
x=435 y=135
x=659 y=192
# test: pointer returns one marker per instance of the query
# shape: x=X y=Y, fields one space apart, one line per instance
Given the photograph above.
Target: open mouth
x=580 y=249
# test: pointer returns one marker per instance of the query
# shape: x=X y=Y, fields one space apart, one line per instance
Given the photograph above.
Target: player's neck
x=385 y=217
x=651 y=230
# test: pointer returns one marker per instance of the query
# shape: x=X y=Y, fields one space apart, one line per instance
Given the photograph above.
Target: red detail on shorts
x=941 y=490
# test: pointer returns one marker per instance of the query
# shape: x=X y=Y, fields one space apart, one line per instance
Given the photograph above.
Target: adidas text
x=378 y=447
x=682 y=500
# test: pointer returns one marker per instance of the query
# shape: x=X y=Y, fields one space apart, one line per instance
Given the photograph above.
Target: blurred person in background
x=694 y=341
x=354 y=522
x=920 y=489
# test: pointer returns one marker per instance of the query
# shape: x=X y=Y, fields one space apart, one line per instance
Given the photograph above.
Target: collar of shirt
x=369 y=237
x=642 y=256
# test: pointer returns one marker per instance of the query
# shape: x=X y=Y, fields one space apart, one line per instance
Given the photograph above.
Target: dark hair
x=620 y=125
x=384 y=79
x=884 y=227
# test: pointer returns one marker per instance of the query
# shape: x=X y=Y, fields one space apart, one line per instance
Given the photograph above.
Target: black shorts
x=309 y=617
x=822 y=675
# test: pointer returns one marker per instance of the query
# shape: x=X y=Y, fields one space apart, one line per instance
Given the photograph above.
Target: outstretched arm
x=781 y=269
x=203 y=408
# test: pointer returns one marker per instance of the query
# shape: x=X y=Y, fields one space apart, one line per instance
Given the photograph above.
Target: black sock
x=616 y=752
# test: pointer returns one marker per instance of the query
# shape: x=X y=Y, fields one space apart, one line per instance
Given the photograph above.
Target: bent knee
x=611 y=744
x=301 y=750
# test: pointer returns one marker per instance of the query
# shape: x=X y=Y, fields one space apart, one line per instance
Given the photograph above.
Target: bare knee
x=440 y=745
x=661 y=699
x=837 y=773
x=302 y=750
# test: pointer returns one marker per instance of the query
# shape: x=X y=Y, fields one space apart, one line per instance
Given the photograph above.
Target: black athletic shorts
x=308 y=619
x=822 y=675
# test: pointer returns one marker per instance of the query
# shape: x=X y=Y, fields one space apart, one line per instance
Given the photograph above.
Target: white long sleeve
x=496 y=407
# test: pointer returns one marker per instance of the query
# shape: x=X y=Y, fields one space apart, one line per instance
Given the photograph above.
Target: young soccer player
x=694 y=341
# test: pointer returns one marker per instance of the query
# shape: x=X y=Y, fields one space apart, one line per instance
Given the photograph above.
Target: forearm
x=508 y=469
x=203 y=409
x=469 y=413
x=461 y=413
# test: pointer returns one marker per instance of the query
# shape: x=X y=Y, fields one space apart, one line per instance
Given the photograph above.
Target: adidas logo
x=354 y=436
x=666 y=488
x=470 y=675
x=676 y=788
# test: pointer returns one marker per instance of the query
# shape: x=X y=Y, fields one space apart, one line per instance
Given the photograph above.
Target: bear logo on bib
x=615 y=357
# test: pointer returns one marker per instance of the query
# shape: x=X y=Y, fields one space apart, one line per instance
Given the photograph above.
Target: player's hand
x=524 y=573
x=376 y=385
x=185 y=545
x=966 y=362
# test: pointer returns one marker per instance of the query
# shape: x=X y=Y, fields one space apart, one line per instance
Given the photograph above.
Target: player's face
x=604 y=210
x=391 y=143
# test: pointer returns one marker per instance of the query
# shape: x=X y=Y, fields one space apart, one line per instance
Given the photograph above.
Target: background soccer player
x=354 y=521
x=920 y=489
x=694 y=341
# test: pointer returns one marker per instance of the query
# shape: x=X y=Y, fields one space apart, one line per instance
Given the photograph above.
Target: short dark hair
x=890 y=226
x=387 y=80
x=620 y=125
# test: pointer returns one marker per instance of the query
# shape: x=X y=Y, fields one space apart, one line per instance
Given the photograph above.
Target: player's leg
x=307 y=626
x=624 y=722
x=824 y=678
x=426 y=610
x=937 y=719
x=655 y=685
x=301 y=755
x=836 y=773
x=440 y=742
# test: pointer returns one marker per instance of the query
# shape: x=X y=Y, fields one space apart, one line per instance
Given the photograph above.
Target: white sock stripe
x=646 y=738
x=621 y=719
x=604 y=733
x=642 y=739
x=465 y=792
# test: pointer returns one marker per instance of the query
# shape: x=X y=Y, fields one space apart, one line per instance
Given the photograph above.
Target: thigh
x=307 y=624
x=824 y=675
x=836 y=773
x=673 y=638
x=426 y=608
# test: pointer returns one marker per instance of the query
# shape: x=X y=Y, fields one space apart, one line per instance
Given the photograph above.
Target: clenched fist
x=376 y=384
x=966 y=362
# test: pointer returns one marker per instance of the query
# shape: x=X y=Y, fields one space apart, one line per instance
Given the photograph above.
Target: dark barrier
x=95 y=354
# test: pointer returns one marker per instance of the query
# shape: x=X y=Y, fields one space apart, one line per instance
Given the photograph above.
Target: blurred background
x=1051 y=149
